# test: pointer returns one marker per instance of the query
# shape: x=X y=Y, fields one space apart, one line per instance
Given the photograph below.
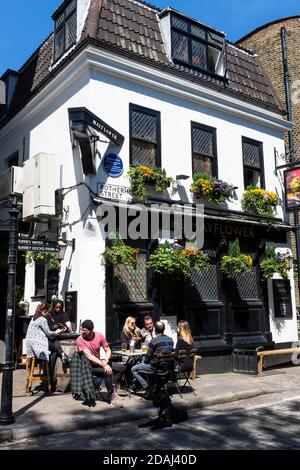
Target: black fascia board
x=81 y=117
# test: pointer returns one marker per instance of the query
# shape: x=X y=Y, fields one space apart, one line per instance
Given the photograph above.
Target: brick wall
x=266 y=43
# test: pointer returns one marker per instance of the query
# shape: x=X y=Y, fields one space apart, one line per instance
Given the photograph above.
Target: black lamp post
x=6 y=414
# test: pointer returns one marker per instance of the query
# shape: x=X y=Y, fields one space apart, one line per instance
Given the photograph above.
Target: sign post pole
x=6 y=414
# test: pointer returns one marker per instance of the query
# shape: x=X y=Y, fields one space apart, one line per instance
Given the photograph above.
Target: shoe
x=89 y=403
x=114 y=399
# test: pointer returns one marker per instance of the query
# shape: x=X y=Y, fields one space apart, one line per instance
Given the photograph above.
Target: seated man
x=90 y=343
x=148 y=332
x=161 y=343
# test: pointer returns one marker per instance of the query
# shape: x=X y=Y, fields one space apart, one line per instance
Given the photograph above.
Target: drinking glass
x=124 y=347
x=144 y=347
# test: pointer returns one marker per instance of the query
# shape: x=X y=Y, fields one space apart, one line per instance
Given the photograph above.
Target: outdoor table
x=126 y=356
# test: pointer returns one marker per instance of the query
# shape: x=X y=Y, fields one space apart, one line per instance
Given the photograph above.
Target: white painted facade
x=106 y=84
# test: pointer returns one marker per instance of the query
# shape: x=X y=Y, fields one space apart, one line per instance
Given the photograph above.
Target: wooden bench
x=274 y=352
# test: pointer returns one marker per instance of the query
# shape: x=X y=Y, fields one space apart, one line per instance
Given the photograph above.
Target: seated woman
x=37 y=335
x=131 y=331
x=184 y=342
x=57 y=318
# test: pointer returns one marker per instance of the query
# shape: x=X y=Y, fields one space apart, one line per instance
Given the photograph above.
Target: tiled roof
x=132 y=27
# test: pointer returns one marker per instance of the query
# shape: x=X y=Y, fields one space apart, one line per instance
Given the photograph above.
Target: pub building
x=122 y=83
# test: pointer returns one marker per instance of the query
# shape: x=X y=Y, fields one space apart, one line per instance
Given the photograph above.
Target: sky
x=25 y=24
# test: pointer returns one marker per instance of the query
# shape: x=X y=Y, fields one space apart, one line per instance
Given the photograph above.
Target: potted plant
x=235 y=262
x=119 y=253
x=142 y=175
x=42 y=257
x=24 y=305
x=259 y=200
x=212 y=189
x=174 y=260
x=273 y=263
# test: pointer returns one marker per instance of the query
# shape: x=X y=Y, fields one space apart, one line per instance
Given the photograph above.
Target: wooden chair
x=43 y=374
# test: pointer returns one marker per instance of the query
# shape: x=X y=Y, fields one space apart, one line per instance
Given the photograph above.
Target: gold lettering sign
x=229 y=230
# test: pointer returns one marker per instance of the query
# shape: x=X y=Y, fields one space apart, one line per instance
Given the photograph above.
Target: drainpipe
x=290 y=137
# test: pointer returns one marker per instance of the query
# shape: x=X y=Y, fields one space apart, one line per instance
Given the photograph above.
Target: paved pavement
x=41 y=414
x=243 y=425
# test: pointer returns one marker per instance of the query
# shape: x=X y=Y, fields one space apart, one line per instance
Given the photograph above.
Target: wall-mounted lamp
x=181 y=177
x=288 y=256
x=63 y=244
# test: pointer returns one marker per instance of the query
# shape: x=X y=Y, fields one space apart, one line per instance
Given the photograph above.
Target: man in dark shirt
x=162 y=343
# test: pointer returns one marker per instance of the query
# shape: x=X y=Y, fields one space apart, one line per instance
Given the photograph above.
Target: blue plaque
x=113 y=165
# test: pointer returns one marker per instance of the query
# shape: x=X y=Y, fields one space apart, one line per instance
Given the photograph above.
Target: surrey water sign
x=113 y=165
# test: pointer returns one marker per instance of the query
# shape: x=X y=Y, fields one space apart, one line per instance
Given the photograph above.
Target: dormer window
x=65 y=27
x=197 y=46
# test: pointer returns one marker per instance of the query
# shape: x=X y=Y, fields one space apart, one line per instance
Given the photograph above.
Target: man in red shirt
x=90 y=343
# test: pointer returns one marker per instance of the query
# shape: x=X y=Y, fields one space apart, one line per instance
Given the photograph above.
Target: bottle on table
x=131 y=346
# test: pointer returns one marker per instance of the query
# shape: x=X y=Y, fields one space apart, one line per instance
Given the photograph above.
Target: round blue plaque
x=113 y=165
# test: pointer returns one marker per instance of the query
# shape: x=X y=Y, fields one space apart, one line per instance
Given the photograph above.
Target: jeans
x=139 y=368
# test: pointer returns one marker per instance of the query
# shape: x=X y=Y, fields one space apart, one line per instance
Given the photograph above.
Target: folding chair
x=98 y=381
x=159 y=379
x=184 y=374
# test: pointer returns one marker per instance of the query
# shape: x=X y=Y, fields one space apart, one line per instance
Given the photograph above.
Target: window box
x=212 y=189
x=260 y=201
x=141 y=176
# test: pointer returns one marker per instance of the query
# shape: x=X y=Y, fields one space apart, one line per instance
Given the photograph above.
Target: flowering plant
x=142 y=175
x=236 y=262
x=119 y=253
x=23 y=304
x=260 y=201
x=273 y=263
x=42 y=257
x=213 y=189
x=173 y=259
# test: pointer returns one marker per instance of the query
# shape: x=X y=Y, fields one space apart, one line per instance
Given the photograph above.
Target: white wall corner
x=82 y=11
x=165 y=27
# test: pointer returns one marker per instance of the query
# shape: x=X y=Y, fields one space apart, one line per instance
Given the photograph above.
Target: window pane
x=216 y=61
x=59 y=43
x=251 y=154
x=144 y=126
x=180 y=46
x=215 y=39
x=252 y=177
x=143 y=153
x=179 y=23
x=199 y=54
x=71 y=31
x=39 y=278
x=202 y=164
x=60 y=20
x=202 y=141
x=130 y=284
x=200 y=33
x=71 y=7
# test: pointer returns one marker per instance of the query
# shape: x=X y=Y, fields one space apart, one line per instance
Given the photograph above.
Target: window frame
x=214 y=159
x=259 y=144
x=151 y=112
x=62 y=26
x=206 y=42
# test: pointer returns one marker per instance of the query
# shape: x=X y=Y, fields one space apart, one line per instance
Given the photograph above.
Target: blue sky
x=24 y=24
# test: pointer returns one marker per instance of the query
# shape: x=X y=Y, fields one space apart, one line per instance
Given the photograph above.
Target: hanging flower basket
x=273 y=263
x=174 y=260
x=236 y=262
x=42 y=257
x=119 y=253
x=212 y=189
x=140 y=176
x=260 y=201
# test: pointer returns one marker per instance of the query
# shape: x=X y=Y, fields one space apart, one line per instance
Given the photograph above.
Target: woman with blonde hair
x=131 y=331
x=184 y=343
